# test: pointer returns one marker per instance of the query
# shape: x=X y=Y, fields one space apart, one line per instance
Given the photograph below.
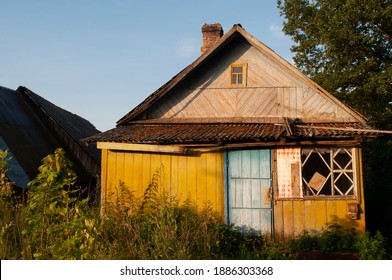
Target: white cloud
x=276 y=30
x=187 y=47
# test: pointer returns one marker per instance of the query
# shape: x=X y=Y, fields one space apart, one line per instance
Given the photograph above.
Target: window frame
x=243 y=73
x=351 y=168
x=334 y=173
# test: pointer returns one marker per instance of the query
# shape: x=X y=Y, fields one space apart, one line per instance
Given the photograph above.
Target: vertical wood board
x=199 y=178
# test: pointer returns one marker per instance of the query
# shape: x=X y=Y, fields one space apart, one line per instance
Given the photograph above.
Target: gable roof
x=233 y=34
x=145 y=124
x=32 y=127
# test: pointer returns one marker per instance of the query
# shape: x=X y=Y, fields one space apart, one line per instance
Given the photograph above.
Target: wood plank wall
x=271 y=91
x=293 y=217
x=198 y=177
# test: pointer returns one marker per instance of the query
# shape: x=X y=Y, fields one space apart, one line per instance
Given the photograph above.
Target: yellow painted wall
x=198 y=177
x=294 y=216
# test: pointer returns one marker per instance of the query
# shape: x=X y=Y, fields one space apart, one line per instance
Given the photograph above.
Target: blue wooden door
x=249 y=190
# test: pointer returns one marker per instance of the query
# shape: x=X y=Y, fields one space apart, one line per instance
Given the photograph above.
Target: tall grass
x=158 y=226
x=54 y=224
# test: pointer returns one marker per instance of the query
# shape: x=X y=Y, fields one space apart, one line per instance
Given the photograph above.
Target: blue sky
x=99 y=59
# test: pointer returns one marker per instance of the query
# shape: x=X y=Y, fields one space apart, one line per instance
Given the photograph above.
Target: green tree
x=346 y=47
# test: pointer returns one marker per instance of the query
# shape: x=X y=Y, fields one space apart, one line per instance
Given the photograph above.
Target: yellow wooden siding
x=198 y=177
x=293 y=217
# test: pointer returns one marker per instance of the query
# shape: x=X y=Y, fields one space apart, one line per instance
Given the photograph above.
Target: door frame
x=227 y=179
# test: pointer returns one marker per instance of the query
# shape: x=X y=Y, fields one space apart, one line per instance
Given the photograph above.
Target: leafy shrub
x=11 y=218
x=332 y=239
x=337 y=239
x=304 y=241
x=56 y=223
x=372 y=247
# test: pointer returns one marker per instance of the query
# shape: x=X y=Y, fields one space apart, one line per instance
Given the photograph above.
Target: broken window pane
x=327 y=172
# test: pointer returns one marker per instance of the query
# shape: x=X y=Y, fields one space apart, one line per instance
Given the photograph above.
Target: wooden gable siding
x=197 y=177
x=271 y=91
x=292 y=102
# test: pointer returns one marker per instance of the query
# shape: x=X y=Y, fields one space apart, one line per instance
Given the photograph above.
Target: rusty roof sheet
x=202 y=132
x=167 y=133
x=309 y=130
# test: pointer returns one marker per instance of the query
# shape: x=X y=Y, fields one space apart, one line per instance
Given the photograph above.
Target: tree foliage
x=346 y=47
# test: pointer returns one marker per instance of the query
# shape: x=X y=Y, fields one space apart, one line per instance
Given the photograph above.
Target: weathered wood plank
x=191 y=178
x=104 y=180
x=137 y=169
x=320 y=210
x=299 y=217
x=278 y=219
x=310 y=217
x=201 y=179
x=332 y=216
x=182 y=178
x=288 y=220
x=141 y=147
x=111 y=175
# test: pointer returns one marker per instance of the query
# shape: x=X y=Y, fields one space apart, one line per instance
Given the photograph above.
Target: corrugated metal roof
x=174 y=133
x=212 y=132
x=309 y=130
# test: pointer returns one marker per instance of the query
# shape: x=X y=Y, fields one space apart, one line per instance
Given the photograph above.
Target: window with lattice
x=328 y=172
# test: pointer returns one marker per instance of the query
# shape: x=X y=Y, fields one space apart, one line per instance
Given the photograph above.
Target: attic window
x=238 y=74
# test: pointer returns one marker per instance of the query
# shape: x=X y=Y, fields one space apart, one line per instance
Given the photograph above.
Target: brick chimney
x=211 y=34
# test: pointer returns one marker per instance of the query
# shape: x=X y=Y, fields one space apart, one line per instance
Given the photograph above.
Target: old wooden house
x=31 y=128
x=244 y=130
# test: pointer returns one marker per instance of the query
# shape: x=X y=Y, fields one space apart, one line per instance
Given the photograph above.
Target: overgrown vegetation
x=337 y=239
x=55 y=224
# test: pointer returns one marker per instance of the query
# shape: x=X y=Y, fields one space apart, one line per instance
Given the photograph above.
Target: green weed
x=372 y=247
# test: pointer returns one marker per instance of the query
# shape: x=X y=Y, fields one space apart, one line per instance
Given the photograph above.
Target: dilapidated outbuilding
x=244 y=130
x=31 y=128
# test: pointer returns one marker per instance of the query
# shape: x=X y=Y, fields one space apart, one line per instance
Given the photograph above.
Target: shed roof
x=32 y=127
